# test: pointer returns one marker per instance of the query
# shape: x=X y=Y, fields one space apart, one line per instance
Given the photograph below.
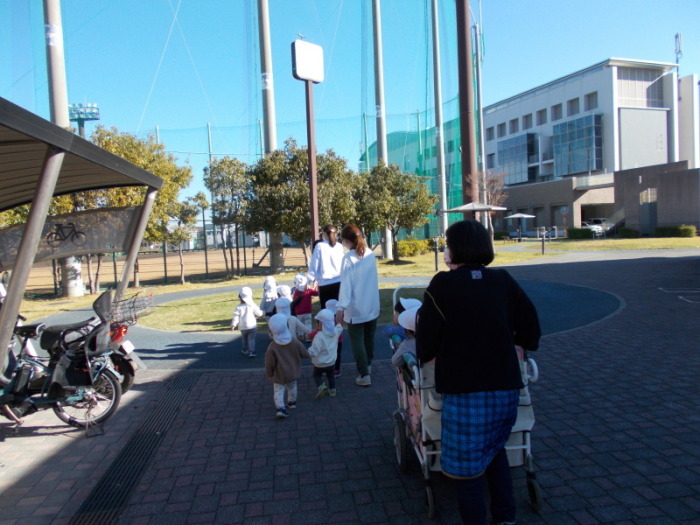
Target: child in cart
x=396 y=332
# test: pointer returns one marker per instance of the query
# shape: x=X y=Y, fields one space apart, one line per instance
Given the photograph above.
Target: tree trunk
x=182 y=265
x=223 y=249
x=230 y=251
x=100 y=256
x=137 y=283
x=91 y=284
x=238 y=252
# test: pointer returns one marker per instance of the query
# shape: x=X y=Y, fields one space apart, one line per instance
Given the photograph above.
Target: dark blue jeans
x=471 y=493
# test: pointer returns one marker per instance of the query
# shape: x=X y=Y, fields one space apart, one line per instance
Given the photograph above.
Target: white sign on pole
x=307 y=61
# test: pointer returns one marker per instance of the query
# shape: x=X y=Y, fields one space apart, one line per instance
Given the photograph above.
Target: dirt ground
x=153 y=267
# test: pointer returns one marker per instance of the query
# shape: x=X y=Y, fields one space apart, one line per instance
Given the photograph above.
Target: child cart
x=417 y=422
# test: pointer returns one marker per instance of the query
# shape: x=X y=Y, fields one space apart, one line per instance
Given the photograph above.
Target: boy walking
x=283 y=364
x=245 y=317
x=324 y=351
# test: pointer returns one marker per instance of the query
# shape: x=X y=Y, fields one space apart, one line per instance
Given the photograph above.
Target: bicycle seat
x=30 y=331
x=51 y=336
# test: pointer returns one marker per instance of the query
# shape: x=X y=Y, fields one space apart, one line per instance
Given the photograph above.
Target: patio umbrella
x=475 y=206
x=520 y=216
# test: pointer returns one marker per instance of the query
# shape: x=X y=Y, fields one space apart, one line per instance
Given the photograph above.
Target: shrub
x=500 y=234
x=627 y=233
x=441 y=243
x=579 y=233
x=413 y=247
x=684 y=230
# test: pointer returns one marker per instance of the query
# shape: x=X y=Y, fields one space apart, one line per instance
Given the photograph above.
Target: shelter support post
x=135 y=242
x=27 y=249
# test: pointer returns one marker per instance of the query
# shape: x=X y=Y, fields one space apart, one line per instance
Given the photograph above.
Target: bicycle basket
x=129 y=310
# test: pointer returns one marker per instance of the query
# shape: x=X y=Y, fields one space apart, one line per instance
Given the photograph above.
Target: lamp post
x=82 y=113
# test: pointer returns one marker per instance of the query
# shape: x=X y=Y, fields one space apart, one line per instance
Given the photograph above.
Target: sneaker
x=291 y=405
x=281 y=413
x=363 y=380
x=338 y=373
x=331 y=392
x=322 y=391
x=251 y=355
x=244 y=352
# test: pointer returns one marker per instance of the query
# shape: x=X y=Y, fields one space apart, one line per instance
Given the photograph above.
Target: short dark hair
x=469 y=243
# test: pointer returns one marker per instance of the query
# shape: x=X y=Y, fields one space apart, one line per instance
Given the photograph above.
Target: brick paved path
x=617 y=438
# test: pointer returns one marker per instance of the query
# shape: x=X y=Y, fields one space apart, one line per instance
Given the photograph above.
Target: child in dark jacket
x=283 y=364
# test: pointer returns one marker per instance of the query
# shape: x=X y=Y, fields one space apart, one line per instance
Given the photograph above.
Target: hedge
x=580 y=233
x=684 y=230
x=413 y=247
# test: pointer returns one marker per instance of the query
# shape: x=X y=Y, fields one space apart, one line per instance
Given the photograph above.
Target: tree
x=185 y=214
x=153 y=157
x=391 y=199
x=281 y=200
x=231 y=188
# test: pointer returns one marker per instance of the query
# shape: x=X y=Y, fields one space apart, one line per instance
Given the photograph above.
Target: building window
x=556 y=112
x=590 y=101
x=490 y=161
x=501 y=132
x=577 y=145
x=426 y=153
x=572 y=107
x=450 y=146
x=489 y=133
x=514 y=155
x=513 y=125
x=541 y=117
x=527 y=121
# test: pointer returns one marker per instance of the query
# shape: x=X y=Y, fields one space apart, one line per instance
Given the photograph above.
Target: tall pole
x=382 y=154
x=311 y=141
x=56 y=62
x=207 y=170
x=71 y=267
x=437 y=88
x=269 y=119
x=268 y=86
x=470 y=185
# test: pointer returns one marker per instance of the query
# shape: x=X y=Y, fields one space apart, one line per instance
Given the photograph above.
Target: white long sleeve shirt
x=326 y=263
x=359 y=288
x=245 y=316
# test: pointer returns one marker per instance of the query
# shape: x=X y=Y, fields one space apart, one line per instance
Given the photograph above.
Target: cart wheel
x=400 y=442
x=533 y=488
x=430 y=501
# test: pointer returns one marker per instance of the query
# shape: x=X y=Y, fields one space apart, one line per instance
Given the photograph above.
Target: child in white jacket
x=324 y=351
x=245 y=317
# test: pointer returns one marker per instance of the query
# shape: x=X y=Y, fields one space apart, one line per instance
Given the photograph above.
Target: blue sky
x=180 y=64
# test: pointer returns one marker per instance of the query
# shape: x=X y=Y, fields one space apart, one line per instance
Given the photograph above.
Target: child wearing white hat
x=267 y=305
x=324 y=352
x=301 y=300
x=245 y=317
x=407 y=320
x=396 y=332
x=296 y=327
x=283 y=364
x=330 y=305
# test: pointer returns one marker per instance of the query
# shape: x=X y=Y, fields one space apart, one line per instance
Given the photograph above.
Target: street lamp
x=81 y=113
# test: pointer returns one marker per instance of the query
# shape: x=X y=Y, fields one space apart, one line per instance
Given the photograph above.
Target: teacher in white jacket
x=324 y=267
x=358 y=301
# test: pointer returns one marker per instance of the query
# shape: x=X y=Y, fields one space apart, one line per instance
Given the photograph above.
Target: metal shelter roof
x=25 y=139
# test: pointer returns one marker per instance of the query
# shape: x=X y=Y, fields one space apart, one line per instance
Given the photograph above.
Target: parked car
x=597 y=229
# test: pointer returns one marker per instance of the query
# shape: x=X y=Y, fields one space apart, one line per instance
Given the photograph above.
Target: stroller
x=417 y=422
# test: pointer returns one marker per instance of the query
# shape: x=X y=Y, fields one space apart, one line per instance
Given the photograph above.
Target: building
x=558 y=146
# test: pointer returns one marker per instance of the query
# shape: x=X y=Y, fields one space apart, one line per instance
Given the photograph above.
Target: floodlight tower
x=82 y=113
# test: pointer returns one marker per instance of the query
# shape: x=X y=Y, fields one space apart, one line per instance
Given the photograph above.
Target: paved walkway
x=617 y=438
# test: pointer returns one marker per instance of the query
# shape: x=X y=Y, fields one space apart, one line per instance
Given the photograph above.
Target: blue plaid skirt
x=475 y=427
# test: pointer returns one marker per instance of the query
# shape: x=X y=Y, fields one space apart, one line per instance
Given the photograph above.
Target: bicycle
x=63 y=233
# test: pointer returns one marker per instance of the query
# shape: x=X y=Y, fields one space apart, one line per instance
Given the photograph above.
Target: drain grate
x=109 y=497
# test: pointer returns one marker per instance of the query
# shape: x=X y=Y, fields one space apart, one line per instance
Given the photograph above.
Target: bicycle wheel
x=79 y=238
x=53 y=240
x=98 y=402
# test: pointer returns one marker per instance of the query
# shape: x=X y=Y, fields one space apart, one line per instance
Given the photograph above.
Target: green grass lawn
x=213 y=313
